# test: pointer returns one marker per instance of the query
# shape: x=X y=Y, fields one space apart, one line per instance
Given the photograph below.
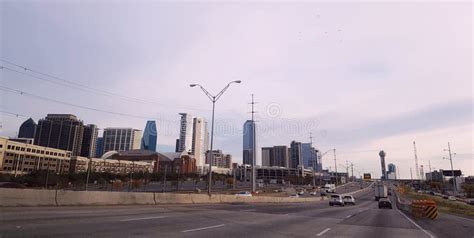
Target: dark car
x=385 y=203
x=11 y=185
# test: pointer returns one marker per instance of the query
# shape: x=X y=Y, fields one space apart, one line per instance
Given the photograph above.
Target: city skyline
x=391 y=102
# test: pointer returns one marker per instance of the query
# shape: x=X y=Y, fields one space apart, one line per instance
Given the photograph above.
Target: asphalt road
x=217 y=220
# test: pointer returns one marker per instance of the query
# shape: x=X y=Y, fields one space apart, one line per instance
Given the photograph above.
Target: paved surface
x=218 y=220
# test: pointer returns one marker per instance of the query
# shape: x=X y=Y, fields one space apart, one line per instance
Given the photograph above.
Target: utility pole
x=452 y=170
x=335 y=163
x=164 y=179
x=254 y=149
x=352 y=170
x=416 y=162
x=411 y=175
x=313 y=156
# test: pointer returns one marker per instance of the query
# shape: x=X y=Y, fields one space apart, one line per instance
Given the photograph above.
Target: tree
x=469 y=189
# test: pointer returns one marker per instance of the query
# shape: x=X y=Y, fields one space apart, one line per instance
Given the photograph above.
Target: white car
x=243 y=194
x=336 y=200
x=314 y=193
x=349 y=199
x=452 y=198
x=294 y=196
x=301 y=192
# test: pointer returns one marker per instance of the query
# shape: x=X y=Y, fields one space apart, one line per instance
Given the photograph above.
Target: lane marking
x=324 y=231
x=203 y=228
x=414 y=223
x=248 y=210
x=143 y=218
x=349 y=216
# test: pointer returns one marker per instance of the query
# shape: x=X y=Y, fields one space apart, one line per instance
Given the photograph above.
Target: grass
x=444 y=205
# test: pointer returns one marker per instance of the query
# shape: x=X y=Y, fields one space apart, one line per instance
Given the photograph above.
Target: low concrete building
x=19 y=158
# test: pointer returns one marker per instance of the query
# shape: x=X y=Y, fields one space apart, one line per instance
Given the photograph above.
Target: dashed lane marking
x=324 y=231
x=203 y=228
x=143 y=218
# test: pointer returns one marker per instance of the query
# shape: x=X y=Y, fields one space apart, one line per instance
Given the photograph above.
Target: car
x=301 y=192
x=336 y=200
x=294 y=196
x=385 y=203
x=349 y=199
x=470 y=201
x=314 y=193
x=11 y=185
x=452 y=198
x=243 y=194
x=445 y=196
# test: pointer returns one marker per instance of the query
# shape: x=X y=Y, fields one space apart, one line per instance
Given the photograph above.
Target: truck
x=329 y=188
x=381 y=191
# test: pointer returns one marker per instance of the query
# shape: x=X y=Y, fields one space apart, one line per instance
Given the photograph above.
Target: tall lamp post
x=213 y=99
x=321 y=161
x=452 y=169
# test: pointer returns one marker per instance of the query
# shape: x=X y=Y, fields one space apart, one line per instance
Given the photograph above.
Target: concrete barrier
x=171 y=198
x=10 y=197
x=76 y=198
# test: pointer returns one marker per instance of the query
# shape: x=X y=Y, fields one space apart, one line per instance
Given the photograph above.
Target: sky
x=360 y=76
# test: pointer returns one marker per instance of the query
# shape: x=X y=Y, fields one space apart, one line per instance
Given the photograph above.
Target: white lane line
x=143 y=218
x=203 y=228
x=249 y=210
x=414 y=223
x=349 y=216
x=324 y=231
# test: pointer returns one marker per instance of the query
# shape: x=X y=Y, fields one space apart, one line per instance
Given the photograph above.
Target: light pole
x=452 y=170
x=335 y=163
x=213 y=100
x=321 y=161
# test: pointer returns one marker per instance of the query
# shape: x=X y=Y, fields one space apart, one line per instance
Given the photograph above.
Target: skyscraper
x=295 y=153
x=382 y=163
x=392 y=171
x=150 y=136
x=185 y=133
x=99 y=149
x=28 y=129
x=200 y=141
x=267 y=156
x=248 y=143
x=121 y=139
x=60 y=131
x=89 y=141
x=275 y=156
x=309 y=155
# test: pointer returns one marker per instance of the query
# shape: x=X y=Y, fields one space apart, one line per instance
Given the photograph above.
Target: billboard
x=367 y=176
x=457 y=173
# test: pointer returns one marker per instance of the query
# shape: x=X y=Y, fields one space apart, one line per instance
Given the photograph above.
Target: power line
x=71 y=84
x=13 y=114
x=11 y=90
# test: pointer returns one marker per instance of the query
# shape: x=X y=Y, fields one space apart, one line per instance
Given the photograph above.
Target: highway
x=215 y=220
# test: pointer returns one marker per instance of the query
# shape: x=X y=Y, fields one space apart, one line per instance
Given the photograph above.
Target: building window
x=9 y=147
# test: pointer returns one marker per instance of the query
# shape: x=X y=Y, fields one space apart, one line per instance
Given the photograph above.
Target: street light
x=452 y=170
x=321 y=161
x=213 y=99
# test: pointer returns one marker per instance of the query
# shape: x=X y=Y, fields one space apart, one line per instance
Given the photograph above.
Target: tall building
x=28 y=129
x=248 y=143
x=219 y=159
x=309 y=154
x=99 y=148
x=382 y=163
x=89 y=141
x=200 y=140
x=60 y=131
x=186 y=133
x=150 y=136
x=276 y=156
x=267 y=156
x=121 y=139
x=295 y=154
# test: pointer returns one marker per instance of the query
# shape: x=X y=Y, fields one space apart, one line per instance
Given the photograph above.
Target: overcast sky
x=361 y=77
